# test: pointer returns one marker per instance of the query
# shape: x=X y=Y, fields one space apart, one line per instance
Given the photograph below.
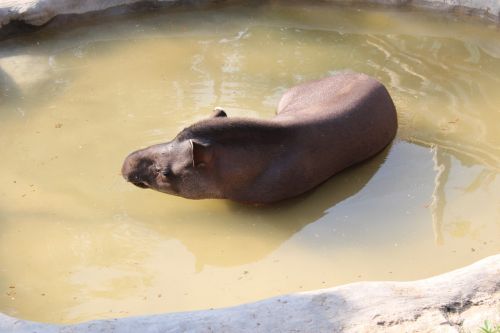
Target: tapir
x=320 y=128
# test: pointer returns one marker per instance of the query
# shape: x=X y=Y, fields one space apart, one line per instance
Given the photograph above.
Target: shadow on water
x=9 y=91
x=249 y=233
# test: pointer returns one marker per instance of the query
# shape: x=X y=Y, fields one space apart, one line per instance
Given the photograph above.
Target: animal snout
x=127 y=169
x=136 y=169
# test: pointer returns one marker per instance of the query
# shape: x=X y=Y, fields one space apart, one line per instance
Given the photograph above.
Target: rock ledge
x=38 y=12
x=459 y=301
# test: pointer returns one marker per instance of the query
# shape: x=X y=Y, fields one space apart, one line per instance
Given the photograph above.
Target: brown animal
x=321 y=128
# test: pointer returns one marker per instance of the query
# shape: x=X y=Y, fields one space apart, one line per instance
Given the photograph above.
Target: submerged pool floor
x=78 y=243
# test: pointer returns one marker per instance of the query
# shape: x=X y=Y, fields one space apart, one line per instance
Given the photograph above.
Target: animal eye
x=166 y=172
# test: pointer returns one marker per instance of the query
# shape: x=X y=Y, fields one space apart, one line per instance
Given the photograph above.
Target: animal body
x=321 y=127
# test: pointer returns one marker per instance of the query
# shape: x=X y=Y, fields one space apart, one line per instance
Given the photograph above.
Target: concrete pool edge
x=39 y=12
x=300 y=305
x=457 y=301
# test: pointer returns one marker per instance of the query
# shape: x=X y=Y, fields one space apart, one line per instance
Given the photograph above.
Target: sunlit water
x=78 y=243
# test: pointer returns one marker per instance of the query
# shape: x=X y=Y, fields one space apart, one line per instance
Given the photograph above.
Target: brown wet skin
x=321 y=128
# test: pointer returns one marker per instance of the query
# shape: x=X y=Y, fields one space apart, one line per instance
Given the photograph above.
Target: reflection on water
x=78 y=243
x=282 y=220
x=442 y=165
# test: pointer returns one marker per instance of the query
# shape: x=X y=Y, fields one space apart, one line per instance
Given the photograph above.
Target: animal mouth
x=140 y=184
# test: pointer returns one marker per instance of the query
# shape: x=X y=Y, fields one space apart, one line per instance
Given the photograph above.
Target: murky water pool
x=78 y=243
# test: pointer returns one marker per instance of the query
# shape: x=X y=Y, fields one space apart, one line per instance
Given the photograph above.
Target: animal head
x=182 y=167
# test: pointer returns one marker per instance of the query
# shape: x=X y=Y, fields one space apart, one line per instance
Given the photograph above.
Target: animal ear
x=219 y=112
x=201 y=153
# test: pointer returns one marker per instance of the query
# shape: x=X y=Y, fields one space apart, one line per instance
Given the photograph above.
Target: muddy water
x=78 y=243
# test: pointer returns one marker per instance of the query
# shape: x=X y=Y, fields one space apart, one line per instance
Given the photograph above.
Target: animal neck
x=234 y=130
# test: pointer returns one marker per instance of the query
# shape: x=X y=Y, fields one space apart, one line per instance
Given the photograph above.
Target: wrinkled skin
x=321 y=128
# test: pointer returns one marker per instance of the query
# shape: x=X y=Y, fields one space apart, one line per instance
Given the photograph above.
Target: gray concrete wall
x=38 y=12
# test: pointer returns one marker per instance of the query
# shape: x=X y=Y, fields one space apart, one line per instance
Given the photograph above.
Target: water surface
x=78 y=243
